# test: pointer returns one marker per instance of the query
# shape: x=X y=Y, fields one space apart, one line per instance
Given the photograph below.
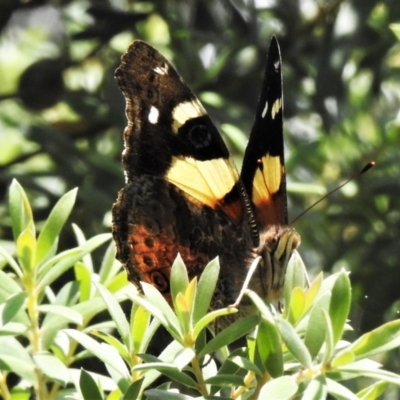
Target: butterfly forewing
x=263 y=170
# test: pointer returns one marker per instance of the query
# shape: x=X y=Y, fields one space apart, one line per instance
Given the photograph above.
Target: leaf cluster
x=299 y=353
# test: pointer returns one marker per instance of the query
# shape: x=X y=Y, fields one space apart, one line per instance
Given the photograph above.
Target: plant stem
x=35 y=335
x=202 y=388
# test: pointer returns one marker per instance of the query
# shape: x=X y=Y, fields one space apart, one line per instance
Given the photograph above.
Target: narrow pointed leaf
x=88 y=387
x=20 y=209
x=117 y=315
x=340 y=392
x=179 y=278
x=52 y=367
x=282 y=388
x=269 y=347
x=374 y=391
x=26 y=249
x=316 y=328
x=12 y=306
x=205 y=289
x=380 y=340
x=340 y=305
x=316 y=389
x=297 y=305
x=235 y=331
x=54 y=223
x=133 y=391
x=294 y=343
x=140 y=319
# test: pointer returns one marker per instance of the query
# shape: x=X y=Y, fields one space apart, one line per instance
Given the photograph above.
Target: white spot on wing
x=264 y=113
x=276 y=65
x=161 y=70
x=185 y=111
x=153 y=115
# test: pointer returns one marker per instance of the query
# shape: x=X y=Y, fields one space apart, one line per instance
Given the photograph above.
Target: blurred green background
x=62 y=115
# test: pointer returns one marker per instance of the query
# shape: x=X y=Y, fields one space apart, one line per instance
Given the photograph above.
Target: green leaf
x=265 y=309
x=49 y=272
x=81 y=240
x=183 y=312
x=245 y=364
x=12 y=307
x=295 y=277
x=205 y=289
x=15 y=358
x=316 y=327
x=370 y=369
x=140 y=319
x=59 y=264
x=340 y=305
x=313 y=291
x=342 y=358
x=211 y=316
x=297 y=305
x=225 y=380
x=66 y=313
x=20 y=209
x=88 y=387
x=11 y=262
x=133 y=390
x=294 y=343
x=282 y=388
x=13 y=329
x=374 y=391
x=84 y=277
x=269 y=347
x=184 y=357
x=104 y=352
x=156 y=304
x=52 y=367
x=109 y=268
x=167 y=369
x=236 y=330
x=380 y=340
x=395 y=28
x=167 y=355
x=117 y=315
x=114 y=342
x=329 y=345
x=316 y=389
x=155 y=394
x=54 y=223
x=179 y=278
x=26 y=249
x=338 y=391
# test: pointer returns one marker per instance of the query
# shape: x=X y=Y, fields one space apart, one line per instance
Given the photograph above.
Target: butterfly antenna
x=356 y=175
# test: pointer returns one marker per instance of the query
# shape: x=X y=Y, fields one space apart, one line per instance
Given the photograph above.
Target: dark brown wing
x=178 y=175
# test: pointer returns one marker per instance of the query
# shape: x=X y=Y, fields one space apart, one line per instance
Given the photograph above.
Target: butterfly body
x=183 y=194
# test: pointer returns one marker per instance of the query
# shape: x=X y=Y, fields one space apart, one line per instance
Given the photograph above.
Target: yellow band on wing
x=185 y=111
x=207 y=181
x=267 y=179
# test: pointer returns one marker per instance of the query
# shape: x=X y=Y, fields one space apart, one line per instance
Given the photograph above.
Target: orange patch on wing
x=266 y=187
x=153 y=256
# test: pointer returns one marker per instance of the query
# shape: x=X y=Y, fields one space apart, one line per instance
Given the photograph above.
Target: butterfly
x=184 y=195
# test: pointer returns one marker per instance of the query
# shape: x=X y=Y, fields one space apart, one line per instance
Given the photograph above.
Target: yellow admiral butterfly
x=184 y=195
